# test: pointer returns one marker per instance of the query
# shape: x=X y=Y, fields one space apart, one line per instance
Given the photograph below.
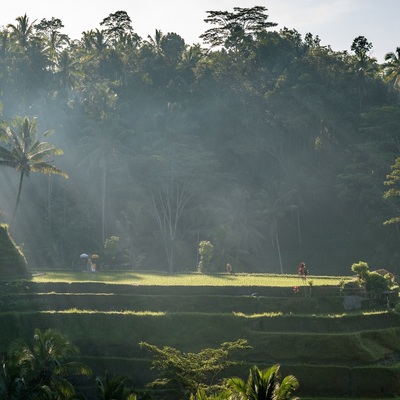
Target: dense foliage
x=41 y=370
x=44 y=370
x=267 y=144
x=187 y=373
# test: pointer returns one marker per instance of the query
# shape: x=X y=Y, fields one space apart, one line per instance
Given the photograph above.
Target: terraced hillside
x=332 y=353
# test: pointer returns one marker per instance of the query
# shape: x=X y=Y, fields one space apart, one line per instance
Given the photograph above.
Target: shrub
x=112 y=252
x=372 y=281
x=186 y=373
x=361 y=269
x=206 y=251
x=377 y=283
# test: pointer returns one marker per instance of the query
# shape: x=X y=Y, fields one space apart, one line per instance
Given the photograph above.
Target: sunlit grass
x=127 y=312
x=326 y=316
x=374 y=312
x=187 y=279
x=270 y=314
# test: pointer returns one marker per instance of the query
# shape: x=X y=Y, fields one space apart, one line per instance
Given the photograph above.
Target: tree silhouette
x=392 y=69
x=22 y=32
x=236 y=29
x=365 y=67
x=25 y=153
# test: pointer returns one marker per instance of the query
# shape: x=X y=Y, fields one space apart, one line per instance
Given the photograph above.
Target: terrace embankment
x=331 y=352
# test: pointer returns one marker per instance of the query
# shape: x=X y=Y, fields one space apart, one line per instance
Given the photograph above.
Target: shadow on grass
x=228 y=277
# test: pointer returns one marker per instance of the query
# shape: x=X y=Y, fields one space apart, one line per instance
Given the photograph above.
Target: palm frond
x=48 y=169
x=288 y=385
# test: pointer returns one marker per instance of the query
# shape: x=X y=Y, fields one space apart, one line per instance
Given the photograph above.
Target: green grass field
x=309 y=335
x=186 y=279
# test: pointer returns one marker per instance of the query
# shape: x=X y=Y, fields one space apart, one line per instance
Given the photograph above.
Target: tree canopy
x=267 y=144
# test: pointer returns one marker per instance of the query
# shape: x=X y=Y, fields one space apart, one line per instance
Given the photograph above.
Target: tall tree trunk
x=279 y=251
x=103 y=203
x=169 y=247
x=49 y=194
x=21 y=178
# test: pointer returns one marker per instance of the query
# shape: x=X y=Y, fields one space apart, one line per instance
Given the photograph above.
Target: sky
x=336 y=22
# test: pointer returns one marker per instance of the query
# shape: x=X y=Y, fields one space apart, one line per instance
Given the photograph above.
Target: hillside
x=331 y=352
x=271 y=146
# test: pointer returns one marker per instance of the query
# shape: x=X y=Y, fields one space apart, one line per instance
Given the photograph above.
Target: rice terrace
x=303 y=327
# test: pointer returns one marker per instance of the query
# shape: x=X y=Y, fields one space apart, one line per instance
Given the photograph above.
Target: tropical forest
x=262 y=142
x=157 y=198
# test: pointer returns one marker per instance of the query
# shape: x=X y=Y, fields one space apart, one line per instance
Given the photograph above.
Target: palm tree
x=68 y=71
x=113 y=388
x=46 y=365
x=392 y=68
x=95 y=40
x=201 y=394
x=22 y=32
x=25 y=153
x=103 y=145
x=49 y=31
x=154 y=43
x=12 y=385
x=262 y=385
x=365 y=67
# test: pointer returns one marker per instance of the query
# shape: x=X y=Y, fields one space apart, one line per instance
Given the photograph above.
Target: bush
x=374 y=282
x=377 y=283
x=361 y=269
x=206 y=251
x=113 y=256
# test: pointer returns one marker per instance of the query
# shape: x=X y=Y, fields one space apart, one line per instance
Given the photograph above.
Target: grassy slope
x=323 y=349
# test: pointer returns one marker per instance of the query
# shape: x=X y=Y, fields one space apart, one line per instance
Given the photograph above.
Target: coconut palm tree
x=22 y=32
x=49 y=31
x=392 y=69
x=113 y=388
x=12 y=385
x=95 y=42
x=46 y=365
x=154 y=43
x=102 y=144
x=262 y=385
x=68 y=71
x=25 y=152
x=201 y=394
x=49 y=362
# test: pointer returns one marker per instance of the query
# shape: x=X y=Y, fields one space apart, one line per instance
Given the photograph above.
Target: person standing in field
x=302 y=271
x=89 y=264
x=305 y=272
x=301 y=268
